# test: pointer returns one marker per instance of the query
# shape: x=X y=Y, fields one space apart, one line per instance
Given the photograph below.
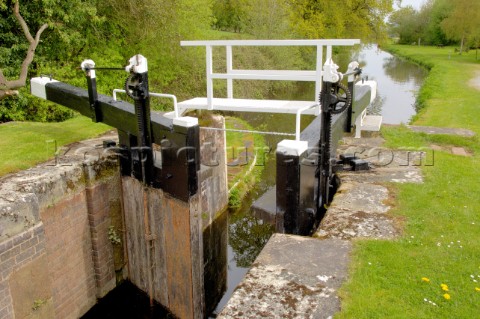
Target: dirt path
x=475 y=81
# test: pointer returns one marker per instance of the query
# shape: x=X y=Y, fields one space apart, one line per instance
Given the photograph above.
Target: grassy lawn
x=24 y=144
x=442 y=215
x=446 y=98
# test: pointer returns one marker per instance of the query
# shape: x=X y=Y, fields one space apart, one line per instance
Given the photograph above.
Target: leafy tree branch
x=8 y=88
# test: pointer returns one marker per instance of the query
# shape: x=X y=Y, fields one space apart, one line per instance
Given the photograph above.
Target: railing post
x=229 y=70
x=209 y=77
x=329 y=52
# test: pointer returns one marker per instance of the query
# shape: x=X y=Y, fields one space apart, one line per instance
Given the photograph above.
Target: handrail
x=274 y=75
x=311 y=42
x=297 y=121
x=267 y=75
x=170 y=96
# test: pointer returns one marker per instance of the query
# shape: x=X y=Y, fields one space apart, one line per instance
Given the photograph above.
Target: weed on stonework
x=246 y=156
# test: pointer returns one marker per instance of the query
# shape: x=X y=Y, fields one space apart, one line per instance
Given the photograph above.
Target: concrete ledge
x=293 y=277
x=24 y=194
x=358 y=210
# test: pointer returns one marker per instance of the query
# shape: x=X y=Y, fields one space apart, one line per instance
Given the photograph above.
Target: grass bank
x=446 y=98
x=25 y=144
x=246 y=156
x=433 y=269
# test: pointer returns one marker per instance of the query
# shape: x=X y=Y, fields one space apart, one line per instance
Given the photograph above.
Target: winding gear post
x=332 y=101
x=136 y=87
x=140 y=155
x=89 y=67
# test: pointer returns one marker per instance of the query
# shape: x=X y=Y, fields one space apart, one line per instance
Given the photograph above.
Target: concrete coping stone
x=293 y=277
x=23 y=194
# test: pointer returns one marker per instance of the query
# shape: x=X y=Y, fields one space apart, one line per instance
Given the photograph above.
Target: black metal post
x=142 y=154
x=295 y=197
x=88 y=67
x=288 y=190
x=325 y=171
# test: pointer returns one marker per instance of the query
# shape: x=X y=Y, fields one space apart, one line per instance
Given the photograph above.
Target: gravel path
x=475 y=81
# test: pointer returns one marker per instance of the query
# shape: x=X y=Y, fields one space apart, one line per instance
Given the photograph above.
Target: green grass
x=446 y=99
x=236 y=140
x=386 y=276
x=24 y=144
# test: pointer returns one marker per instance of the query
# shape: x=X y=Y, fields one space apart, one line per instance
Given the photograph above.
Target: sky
x=414 y=3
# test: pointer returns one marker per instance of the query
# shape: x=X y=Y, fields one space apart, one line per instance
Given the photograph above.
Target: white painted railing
x=285 y=75
x=169 y=96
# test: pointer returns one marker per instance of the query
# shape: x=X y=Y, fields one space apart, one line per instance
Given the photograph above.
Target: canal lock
x=237 y=248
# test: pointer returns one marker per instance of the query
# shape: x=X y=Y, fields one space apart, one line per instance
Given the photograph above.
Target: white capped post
x=37 y=86
x=292 y=148
x=138 y=64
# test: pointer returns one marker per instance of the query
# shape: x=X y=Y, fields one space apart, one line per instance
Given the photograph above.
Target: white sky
x=414 y=3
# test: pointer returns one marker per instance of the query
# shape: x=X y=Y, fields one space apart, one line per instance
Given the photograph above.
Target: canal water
x=398 y=83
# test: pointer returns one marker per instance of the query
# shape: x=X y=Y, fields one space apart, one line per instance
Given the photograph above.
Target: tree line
x=111 y=31
x=438 y=22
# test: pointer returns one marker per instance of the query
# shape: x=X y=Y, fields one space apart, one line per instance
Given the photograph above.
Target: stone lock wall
x=70 y=229
x=56 y=257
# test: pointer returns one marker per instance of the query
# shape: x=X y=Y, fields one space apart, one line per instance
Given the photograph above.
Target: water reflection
x=215 y=240
x=402 y=71
x=398 y=83
x=247 y=236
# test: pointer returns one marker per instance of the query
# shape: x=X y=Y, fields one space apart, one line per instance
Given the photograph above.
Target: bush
x=25 y=107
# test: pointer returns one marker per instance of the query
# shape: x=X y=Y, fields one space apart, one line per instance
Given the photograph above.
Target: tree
x=267 y=19
x=405 y=24
x=72 y=27
x=9 y=87
x=229 y=15
x=340 y=19
x=438 y=11
x=463 y=22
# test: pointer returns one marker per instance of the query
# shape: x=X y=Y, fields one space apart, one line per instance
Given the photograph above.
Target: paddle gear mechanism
x=136 y=84
x=334 y=99
x=339 y=99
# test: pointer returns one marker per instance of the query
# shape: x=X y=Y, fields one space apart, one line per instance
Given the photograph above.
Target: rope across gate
x=246 y=131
